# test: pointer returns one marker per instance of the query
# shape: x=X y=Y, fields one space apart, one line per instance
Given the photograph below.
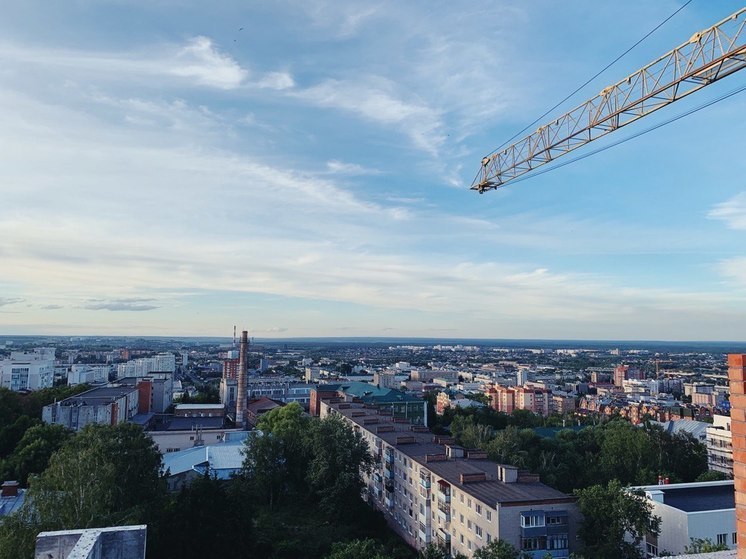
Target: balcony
x=443 y=497
x=389 y=455
x=389 y=474
x=389 y=486
x=425 y=480
x=377 y=477
x=424 y=534
x=444 y=515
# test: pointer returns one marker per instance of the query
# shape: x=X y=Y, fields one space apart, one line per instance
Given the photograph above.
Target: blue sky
x=302 y=169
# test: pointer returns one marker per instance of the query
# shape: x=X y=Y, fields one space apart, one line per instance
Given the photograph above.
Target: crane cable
x=609 y=65
x=633 y=136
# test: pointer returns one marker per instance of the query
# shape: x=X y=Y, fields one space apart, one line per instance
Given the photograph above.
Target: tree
x=711 y=475
x=277 y=453
x=334 y=473
x=433 y=551
x=33 y=451
x=612 y=513
x=358 y=549
x=704 y=545
x=499 y=549
x=103 y=476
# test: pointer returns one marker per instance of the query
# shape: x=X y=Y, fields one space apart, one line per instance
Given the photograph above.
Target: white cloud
x=197 y=62
x=732 y=212
x=341 y=168
x=376 y=100
x=201 y=60
x=4 y=301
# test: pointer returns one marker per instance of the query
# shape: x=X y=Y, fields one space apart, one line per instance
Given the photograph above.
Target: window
x=478 y=508
x=468 y=524
x=469 y=544
x=489 y=515
x=735 y=538
x=489 y=538
x=461 y=518
x=462 y=497
x=532 y=520
x=651 y=549
x=468 y=503
x=478 y=531
x=722 y=539
x=556 y=520
x=462 y=538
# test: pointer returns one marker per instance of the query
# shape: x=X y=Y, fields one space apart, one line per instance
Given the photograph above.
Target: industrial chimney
x=243 y=356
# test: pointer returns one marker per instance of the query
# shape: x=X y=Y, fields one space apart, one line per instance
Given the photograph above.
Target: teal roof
x=371 y=393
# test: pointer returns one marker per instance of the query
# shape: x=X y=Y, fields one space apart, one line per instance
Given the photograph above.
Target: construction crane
x=707 y=57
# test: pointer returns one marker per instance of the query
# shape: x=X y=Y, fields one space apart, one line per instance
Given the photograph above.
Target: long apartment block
x=433 y=491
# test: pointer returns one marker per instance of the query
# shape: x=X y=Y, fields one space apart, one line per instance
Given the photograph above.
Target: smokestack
x=242 y=366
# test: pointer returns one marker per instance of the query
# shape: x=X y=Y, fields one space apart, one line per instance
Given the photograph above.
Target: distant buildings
x=507 y=399
x=399 y=404
x=162 y=362
x=705 y=510
x=88 y=374
x=432 y=491
x=28 y=370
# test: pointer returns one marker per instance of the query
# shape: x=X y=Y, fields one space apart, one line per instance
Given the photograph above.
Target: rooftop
x=221 y=460
x=695 y=497
x=490 y=491
x=198 y=407
x=97 y=396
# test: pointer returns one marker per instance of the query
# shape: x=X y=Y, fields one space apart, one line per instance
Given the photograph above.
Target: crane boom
x=707 y=57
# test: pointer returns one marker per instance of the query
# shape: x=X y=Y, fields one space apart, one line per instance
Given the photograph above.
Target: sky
x=302 y=168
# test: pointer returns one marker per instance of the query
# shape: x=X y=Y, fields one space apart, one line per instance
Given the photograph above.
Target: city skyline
x=303 y=169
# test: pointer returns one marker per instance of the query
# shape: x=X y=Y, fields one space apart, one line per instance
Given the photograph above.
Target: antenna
x=234 y=335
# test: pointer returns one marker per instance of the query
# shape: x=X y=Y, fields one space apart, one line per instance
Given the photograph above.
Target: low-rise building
x=432 y=491
x=220 y=461
x=704 y=510
x=93 y=543
x=399 y=404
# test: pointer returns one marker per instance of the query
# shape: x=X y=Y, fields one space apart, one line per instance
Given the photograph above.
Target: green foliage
x=339 y=454
x=209 y=518
x=358 y=549
x=609 y=513
x=433 y=551
x=207 y=394
x=711 y=475
x=103 y=476
x=704 y=545
x=499 y=549
x=33 y=451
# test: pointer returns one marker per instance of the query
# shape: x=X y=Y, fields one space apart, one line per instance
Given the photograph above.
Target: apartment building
x=28 y=370
x=508 y=399
x=432 y=491
x=720 y=445
x=108 y=405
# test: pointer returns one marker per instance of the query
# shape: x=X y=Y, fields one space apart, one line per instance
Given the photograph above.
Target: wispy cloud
x=52 y=307
x=198 y=62
x=125 y=304
x=4 y=301
x=732 y=212
x=377 y=100
x=353 y=169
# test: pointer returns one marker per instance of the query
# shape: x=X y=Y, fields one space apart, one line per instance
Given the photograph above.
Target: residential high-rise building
x=28 y=370
x=433 y=491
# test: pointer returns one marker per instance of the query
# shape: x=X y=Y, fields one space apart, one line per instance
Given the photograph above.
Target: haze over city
x=303 y=168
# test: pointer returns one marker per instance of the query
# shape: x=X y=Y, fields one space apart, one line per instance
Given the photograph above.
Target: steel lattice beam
x=707 y=57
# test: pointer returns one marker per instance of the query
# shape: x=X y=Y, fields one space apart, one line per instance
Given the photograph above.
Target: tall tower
x=737 y=377
x=243 y=358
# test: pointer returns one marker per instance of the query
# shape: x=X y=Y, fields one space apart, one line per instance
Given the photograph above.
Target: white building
x=705 y=510
x=88 y=374
x=28 y=370
x=719 y=445
x=161 y=363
